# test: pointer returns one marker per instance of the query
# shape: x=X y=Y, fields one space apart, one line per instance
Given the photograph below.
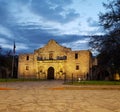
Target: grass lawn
x=19 y=80
x=94 y=83
x=67 y=83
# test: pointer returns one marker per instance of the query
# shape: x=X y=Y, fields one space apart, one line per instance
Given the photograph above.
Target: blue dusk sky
x=32 y=23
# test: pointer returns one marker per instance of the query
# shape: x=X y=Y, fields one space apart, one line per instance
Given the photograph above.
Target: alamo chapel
x=54 y=61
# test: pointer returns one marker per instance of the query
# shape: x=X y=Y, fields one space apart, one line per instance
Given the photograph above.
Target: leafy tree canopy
x=108 y=45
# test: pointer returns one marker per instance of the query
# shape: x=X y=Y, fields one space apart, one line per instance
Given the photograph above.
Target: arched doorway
x=50 y=73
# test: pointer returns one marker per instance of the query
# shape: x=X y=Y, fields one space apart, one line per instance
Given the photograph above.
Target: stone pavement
x=38 y=97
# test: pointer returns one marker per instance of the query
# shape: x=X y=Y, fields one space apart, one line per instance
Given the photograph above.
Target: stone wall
x=61 y=60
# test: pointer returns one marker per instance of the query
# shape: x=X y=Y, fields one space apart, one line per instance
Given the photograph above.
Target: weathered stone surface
x=36 y=97
x=55 y=59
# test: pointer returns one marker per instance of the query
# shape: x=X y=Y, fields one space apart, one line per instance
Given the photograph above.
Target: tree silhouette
x=6 y=64
x=108 y=45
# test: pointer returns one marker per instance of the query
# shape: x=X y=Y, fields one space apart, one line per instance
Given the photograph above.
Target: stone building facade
x=54 y=61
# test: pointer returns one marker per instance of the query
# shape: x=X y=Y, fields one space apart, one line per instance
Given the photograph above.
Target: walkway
x=39 y=97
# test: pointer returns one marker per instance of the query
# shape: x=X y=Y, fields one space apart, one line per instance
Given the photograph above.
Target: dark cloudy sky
x=32 y=23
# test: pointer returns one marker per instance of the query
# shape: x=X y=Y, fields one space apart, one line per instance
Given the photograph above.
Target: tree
x=111 y=19
x=108 y=45
x=6 y=60
x=0 y=50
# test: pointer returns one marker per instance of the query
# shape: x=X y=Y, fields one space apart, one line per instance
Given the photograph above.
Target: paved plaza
x=42 y=97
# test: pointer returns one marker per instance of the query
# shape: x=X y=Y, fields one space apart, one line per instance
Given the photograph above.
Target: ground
x=53 y=96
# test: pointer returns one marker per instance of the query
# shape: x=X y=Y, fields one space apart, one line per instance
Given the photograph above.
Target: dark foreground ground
x=53 y=96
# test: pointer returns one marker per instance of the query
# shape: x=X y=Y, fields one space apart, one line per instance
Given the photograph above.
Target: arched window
x=76 y=55
x=27 y=67
x=77 y=67
x=27 y=58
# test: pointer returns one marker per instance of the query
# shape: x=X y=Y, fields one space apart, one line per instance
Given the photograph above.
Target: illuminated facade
x=54 y=61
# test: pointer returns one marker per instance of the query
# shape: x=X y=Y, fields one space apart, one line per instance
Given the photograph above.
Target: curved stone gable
x=52 y=45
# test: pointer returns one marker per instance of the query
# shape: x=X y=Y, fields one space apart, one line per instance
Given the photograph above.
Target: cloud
x=54 y=10
x=81 y=43
x=92 y=23
x=2 y=40
x=3 y=12
x=5 y=32
x=32 y=23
